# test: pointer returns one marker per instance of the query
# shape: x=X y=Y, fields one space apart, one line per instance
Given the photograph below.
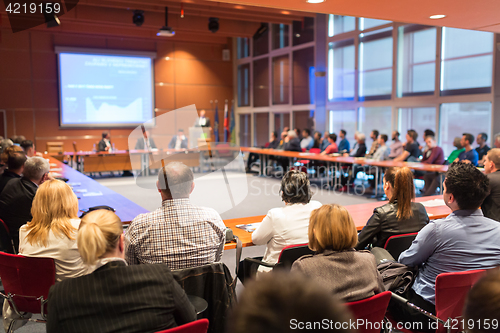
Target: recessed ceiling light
x=238 y=7
x=285 y=12
x=167 y=58
x=435 y=17
x=315 y=1
x=297 y=35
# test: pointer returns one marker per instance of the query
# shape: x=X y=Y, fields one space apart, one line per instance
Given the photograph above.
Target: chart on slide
x=105 y=90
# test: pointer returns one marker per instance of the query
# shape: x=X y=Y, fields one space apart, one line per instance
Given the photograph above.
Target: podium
x=198 y=136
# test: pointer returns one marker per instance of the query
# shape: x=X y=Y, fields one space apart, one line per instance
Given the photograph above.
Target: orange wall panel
x=44 y=66
x=201 y=72
x=15 y=64
x=15 y=94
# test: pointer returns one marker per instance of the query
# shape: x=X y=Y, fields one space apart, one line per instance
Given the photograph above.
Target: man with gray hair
x=178 y=233
x=17 y=196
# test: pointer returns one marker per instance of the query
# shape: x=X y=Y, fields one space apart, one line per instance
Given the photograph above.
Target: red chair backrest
x=198 y=326
x=304 y=150
x=371 y=310
x=28 y=279
x=315 y=150
x=396 y=244
x=451 y=291
x=266 y=145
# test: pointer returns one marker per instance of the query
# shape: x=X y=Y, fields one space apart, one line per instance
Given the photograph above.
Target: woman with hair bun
x=399 y=216
x=115 y=297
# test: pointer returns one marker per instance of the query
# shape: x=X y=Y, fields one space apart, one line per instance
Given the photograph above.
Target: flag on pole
x=226 y=122
x=232 y=125
x=216 y=122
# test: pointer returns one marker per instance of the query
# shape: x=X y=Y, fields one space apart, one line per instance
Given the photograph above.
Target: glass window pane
x=466 y=59
x=243 y=46
x=261 y=129
x=243 y=85
x=303 y=76
x=281 y=79
x=375 y=67
x=341 y=72
x=244 y=130
x=376 y=118
x=303 y=119
x=418 y=119
x=338 y=24
x=281 y=120
x=458 y=118
x=417 y=61
x=367 y=23
x=261 y=41
x=280 y=36
x=261 y=82
x=303 y=31
x=343 y=119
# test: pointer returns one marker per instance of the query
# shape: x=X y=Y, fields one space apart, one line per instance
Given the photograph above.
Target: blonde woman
x=115 y=297
x=337 y=265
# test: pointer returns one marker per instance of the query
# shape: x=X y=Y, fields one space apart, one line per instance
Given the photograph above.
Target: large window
x=343 y=119
x=281 y=79
x=303 y=31
x=458 y=118
x=375 y=65
x=261 y=132
x=261 y=40
x=417 y=60
x=243 y=85
x=367 y=23
x=418 y=119
x=243 y=46
x=280 y=36
x=466 y=61
x=338 y=24
x=376 y=118
x=281 y=120
x=261 y=82
x=245 y=125
x=341 y=70
x=303 y=76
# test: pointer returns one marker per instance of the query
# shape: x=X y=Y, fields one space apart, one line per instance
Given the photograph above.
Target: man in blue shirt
x=465 y=240
x=344 y=145
x=469 y=155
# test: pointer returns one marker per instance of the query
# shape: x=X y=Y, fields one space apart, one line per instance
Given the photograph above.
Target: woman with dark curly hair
x=287 y=225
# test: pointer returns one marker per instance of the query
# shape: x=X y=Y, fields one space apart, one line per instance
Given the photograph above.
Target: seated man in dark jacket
x=292 y=143
x=15 y=165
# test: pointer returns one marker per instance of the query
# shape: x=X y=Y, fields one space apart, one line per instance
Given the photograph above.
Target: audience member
x=360 y=146
x=336 y=264
x=399 y=216
x=325 y=143
x=307 y=140
x=317 y=140
x=355 y=145
x=298 y=132
x=497 y=140
x=253 y=157
x=374 y=146
x=412 y=148
x=179 y=141
x=457 y=143
x=433 y=155
x=482 y=306
x=115 y=297
x=465 y=240
x=344 y=145
x=332 y=148
x=285 y=303
x=482 y=139
x=9 y=150
x=17 y=197
x=147 y=142
x=18 y=139
x=286 y=225
x=105 y=143
x=178 y=233
x=427 y=133
x=291 y=143
x=491 y=205
x=29 y=148
x=469 y=154
x=15 y=165
x=3 y=161
x=382 y=152
x=396 y=147
x=282 y=141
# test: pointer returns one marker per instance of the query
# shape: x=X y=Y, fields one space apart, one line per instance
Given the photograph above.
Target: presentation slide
x=105 y=90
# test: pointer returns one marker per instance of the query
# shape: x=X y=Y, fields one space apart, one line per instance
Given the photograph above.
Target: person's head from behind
x=395 y=135
x=361 y=138
x=331 y=227
x=482 y=305
x=457 y=142
x=280 y=302
x=342 y=134
x=100 y=235
x=332 y=138
x=492 y=161
x=54 y=205
x=306 y=133
x=15 y=162
x=297 y=131
x=464 y=187
x=497 y=140
x=374 y=135
x=430 y=141
x=325 y=136
x=273 y=136
x=105 y=135
x=18 y=139
x=28 y=147
x=8 y=151
x=295 y=188
x=482 y=138
x=175 y=181
x=291 y=134
x=317 y=136
x=36 y=169
x=429 y=132
x=411 y=136
x=467 y=139
x=284 y=134
x=382 y=139
x=6 y=143
x=398 y=186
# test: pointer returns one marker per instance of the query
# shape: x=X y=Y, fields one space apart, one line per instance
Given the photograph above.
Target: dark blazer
x=274 y=144
x=361 y=151
x=6 y=177
x=102 y=145
x=119 y=298
x=384 y=224
x=184 y=143
x=491 y=205
x=140 y=143
x=15 y=205
x=339 y=271
x=293 y=145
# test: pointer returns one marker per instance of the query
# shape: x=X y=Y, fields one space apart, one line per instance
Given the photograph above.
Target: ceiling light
x=285 y=12
x=52 y=20
x=435 y=17
x=138 y=17
x=238 y=7
x=167 y=58
x=315 y=1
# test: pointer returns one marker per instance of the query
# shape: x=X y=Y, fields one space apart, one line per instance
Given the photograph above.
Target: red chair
x=451 y=291
x=26 y=282
x=198 y=326
x=397 y=244
x=287 y=256
x=371 y=311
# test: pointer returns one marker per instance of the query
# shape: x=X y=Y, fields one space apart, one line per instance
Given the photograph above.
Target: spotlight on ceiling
x=52 y=20
x=166 y=31
x=213 y=24
x=435 y=17
x=138 y=17
x=315 y=1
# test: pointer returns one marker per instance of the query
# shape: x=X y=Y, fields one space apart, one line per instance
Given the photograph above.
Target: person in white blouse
x=286 y=225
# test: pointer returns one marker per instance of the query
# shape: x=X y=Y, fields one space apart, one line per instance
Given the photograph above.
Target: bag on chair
x=396 y=277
